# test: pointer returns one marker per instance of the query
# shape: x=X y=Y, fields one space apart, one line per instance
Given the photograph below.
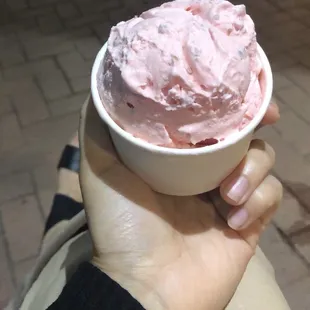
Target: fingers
x=262 y=204
x=253 y=193
x=272 y=115
x=250 y=173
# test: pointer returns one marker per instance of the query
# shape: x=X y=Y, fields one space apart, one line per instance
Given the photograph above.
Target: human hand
x=173 y=252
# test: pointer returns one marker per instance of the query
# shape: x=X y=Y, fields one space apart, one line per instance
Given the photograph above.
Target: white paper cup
x=182 y=172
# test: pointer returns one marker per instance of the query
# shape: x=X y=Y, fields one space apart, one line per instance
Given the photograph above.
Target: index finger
x=272 y=115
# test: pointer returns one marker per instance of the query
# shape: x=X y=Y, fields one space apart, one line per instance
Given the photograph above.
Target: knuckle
x=263 y=201
x=271 y=194
x=277 y=188
x=266 y=153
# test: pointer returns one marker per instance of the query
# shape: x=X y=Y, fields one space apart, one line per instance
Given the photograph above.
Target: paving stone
x=287 y=28
x=299 y=75
x=273 y=19
x=11 y=56
x=302 y=243
x=137 y=7
x=295 y=131
x=10 y=133
x=74 y=65
x=299 y=13
x=119 y=15
x=17 y=4
x=52 y=133
x=102 y=6
x=292 y=42
x=297 y=294
x=291 y=216
x=24 y=24
x=67 y=10
x=50 y=24
x=27 y=35
x=287 y=4
x=8 y=88
x=14 y=185
x=263 y=6
x=39 y=46
x=304 y=35
x=290 y=165
x=270 y=46
x=23 y=268
x=280 y=81
x=45 y=178
x=6 y=282
x=305 y=21
x=38 y=3
x=288 y=266
x=30 y=69
x=306 y=5
x=33 y=12
x=80 y=84
x=54 y=86
x=307 y=158
x=71 y=104
x=282 y=61
x=83 y=21
x=102 y=30
x=43 y=143
x=297 y=100
x=24 y=236
x=80 y=32
x=282 y=106
x=5 y=15
x=304 y=194
x=88 y=47
x=5 y=105
x=30 y=105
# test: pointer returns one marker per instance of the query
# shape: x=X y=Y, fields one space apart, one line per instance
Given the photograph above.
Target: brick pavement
x=46 y=51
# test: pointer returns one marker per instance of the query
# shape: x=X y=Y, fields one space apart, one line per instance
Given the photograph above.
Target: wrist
x=140 y=290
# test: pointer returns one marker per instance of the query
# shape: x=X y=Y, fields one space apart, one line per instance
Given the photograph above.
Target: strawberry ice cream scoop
x=185 y=74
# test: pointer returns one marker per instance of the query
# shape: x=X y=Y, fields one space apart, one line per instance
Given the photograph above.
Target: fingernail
x=238 y=219
x=238 y=189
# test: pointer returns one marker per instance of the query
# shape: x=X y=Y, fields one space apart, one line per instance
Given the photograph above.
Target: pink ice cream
x=184 y=74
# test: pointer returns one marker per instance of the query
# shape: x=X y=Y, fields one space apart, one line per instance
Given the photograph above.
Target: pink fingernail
x=238 y=219
x=238 y=189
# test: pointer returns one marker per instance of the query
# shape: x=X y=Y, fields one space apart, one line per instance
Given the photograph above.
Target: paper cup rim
x=234 y=138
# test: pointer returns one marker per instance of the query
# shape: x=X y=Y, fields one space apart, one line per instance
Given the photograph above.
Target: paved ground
x=46 y=51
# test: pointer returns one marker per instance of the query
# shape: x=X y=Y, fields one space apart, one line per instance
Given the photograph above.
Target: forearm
x=91 y=289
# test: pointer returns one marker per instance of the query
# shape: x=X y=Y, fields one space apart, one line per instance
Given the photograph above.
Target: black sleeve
x=91 y=289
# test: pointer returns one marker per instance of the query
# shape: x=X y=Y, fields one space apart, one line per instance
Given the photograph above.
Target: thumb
x=95 y=141
x=109 y=189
